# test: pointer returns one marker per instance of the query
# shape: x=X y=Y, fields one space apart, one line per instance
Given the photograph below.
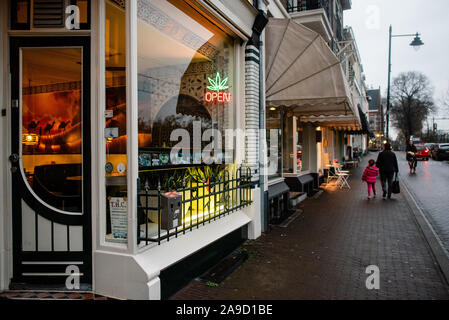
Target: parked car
x=441 y=151
x=423 y=152
x=429 y=146
x=432 y=147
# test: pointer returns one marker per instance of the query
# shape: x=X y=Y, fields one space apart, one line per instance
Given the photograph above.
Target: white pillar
x=131 y=123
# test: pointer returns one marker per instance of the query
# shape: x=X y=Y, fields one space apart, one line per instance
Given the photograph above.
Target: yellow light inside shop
x=30 y=139
x=203 y=215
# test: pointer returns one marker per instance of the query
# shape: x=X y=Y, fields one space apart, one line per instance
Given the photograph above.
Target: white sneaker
x=369 y=197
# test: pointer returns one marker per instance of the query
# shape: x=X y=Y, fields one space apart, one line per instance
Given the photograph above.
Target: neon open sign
x=217 y=85
x=217 y=96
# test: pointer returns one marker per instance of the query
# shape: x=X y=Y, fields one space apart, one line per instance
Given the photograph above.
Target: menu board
x=118 y=207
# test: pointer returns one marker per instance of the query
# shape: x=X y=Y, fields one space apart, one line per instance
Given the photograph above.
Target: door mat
x=224 y=268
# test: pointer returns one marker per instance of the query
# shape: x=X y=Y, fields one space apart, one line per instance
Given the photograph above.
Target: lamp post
x=416 y=43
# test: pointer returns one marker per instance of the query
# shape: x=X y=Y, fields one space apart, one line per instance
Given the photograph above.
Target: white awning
x=341 y=122
x=303 y=74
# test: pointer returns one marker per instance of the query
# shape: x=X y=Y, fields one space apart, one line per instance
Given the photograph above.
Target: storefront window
x=185 y=107
x=185 y=67
x=115 y=117
x=274 y=142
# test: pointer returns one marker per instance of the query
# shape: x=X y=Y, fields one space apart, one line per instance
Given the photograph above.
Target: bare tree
x=412 y=102
x=444 y=101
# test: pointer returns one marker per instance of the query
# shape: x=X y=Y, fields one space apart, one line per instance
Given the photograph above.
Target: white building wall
x=131 y=272
x=275 y=8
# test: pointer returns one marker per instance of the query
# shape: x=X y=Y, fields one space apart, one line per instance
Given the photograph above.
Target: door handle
x=14 y=158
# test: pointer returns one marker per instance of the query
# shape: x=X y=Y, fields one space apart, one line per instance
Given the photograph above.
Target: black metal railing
x=304 y=5
x=204 y=194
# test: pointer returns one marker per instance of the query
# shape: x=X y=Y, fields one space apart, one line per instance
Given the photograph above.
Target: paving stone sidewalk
x=324 y=253
x=51 y=295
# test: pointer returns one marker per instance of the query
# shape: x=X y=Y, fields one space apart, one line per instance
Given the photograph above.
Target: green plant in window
x=211 y=284
x=218 y=84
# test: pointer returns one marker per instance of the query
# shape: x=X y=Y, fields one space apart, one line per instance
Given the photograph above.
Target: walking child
x=369 y=176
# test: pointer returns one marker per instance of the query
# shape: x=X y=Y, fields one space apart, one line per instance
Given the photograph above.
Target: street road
x=430 y=188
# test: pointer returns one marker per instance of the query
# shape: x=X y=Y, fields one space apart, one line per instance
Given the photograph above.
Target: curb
x=440 y=254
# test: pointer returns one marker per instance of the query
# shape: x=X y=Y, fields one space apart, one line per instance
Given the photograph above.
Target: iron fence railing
x=201 y=194
x=304 y=5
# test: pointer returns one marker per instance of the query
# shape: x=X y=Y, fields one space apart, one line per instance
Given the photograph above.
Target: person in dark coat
x=388 y=166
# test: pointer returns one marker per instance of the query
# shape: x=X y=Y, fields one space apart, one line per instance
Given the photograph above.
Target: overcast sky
x=370 y=20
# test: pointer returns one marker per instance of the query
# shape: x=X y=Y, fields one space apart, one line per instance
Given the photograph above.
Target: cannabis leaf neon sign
x=218 y=84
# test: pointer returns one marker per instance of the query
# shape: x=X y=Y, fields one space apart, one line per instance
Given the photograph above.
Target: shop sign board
x=118 y=208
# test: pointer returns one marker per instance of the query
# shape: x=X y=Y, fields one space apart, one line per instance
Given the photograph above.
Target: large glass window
x=185 y=66
x=185 y=110
x=115 y=117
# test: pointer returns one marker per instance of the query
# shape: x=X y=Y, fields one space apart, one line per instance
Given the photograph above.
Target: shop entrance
x=50 y=161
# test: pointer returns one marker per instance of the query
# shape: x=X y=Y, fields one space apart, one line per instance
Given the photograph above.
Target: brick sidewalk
x=324 y=253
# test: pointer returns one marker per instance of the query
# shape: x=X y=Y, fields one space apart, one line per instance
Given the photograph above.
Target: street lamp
x=416 y=44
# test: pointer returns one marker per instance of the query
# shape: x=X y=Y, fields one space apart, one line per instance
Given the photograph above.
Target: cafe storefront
x=307 y=90
x=120 y=129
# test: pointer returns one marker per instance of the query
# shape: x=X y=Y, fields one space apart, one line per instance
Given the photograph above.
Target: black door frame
x=20 y=189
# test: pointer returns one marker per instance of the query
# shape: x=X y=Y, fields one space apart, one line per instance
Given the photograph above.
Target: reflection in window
x=115 y=117
x=51 y=125
x=177 y=80
x=185 y=85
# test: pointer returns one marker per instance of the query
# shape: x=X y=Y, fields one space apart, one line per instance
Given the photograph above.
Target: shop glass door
x=50 y=159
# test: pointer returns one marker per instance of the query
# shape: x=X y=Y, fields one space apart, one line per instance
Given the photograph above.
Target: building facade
x=315 y=98
x=376 y=118
x=144 y=140
x=130 y=129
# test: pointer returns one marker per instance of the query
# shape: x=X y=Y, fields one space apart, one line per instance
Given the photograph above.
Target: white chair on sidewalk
x=331 y=174
x=343 y=175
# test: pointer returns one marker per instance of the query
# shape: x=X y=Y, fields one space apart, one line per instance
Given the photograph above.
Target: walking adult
x=388 y=167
